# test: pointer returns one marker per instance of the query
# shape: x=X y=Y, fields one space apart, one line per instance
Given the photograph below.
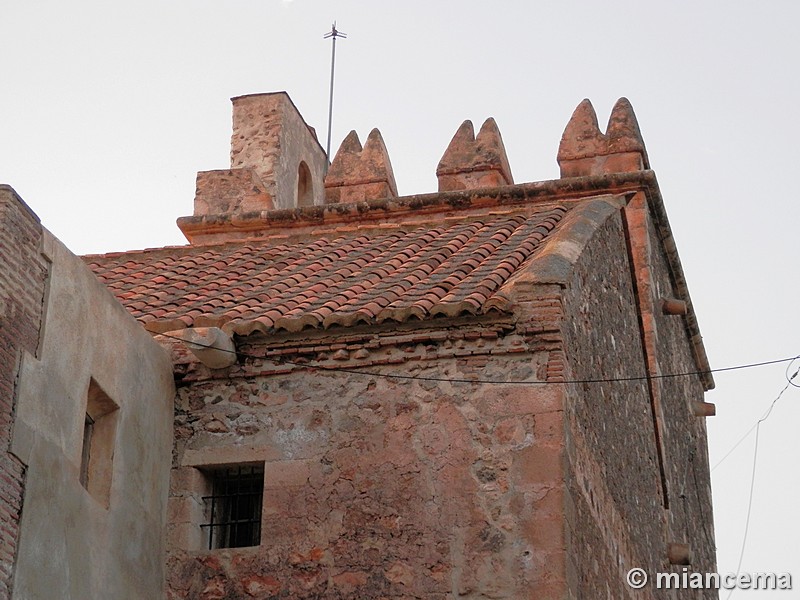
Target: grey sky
x=109 y=109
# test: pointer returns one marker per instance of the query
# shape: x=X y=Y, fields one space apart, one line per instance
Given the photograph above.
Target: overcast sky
x=108 y=110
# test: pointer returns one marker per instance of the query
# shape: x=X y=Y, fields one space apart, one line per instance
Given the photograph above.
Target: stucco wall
x=71 y=545
x=380 y=488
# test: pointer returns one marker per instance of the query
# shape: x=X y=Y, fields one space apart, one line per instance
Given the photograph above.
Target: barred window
x=233 y=509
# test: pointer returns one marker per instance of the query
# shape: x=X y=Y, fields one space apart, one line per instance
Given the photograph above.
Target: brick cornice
x=262 y=355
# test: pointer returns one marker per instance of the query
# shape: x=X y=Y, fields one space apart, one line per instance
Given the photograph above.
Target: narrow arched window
x=305 y=189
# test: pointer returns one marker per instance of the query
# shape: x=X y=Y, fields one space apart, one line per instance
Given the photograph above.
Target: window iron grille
x=234 y=507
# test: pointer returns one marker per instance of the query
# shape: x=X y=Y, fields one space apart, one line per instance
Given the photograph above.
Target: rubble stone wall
x=378 y=487
x=618 y=516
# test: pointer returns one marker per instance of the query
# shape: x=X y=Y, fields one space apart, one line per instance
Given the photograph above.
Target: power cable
x=755 y=425
x=789 y=382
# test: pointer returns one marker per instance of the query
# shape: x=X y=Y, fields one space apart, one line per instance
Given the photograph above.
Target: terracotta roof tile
x=340 y=279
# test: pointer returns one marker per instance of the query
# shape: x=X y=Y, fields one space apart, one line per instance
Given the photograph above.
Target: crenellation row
x=278 y=163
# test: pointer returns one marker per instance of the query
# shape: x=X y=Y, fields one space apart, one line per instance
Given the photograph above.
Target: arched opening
x=305 y=189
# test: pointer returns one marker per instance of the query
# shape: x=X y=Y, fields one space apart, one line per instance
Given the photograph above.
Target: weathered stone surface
x=582 y=137
x=623 y=129
x=474 y=162
x=271 y=137
x=23 y=284
x=276 y=163
x=585 y=150
x=513 y=491
x=377 y=488
x=358 y=174
x=616 y=428
x=230 y=191
x=454 y=446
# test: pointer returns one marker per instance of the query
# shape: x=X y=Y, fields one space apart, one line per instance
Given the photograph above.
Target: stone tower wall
x=637 y=468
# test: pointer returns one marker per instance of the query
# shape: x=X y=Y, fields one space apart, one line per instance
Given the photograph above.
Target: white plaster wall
x=70 y=546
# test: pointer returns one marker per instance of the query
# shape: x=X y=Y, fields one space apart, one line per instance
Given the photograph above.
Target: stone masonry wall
x=377 y=487
x=617 y=515
x=270 y=136
x=685 y=440
x=614 y=497
x=23 y=278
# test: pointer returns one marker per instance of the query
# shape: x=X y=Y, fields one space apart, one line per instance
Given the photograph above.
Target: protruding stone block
x=679 y=554
x=474 y=162
x=704 y=409
x=585 y=150
x=673 y=306
x=358 y=173
x=230 y=191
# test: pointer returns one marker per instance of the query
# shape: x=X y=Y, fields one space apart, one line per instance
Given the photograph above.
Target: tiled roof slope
x=421 y=271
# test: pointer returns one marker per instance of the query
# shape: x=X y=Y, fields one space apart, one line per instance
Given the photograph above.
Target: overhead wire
x=789 y=382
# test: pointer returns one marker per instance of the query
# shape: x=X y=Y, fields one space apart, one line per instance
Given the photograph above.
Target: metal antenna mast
x=333 y=34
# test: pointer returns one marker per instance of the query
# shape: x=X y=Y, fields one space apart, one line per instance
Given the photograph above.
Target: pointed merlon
x=360 y=173
x=492 y=151
x=459 y=150
x=474 y=162
x=585 y=150
x=375 y=161
x=582 y=137
x=346 y=160
x=623 y=129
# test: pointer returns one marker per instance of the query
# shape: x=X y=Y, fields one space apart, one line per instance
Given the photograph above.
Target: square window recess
x=99 y=438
